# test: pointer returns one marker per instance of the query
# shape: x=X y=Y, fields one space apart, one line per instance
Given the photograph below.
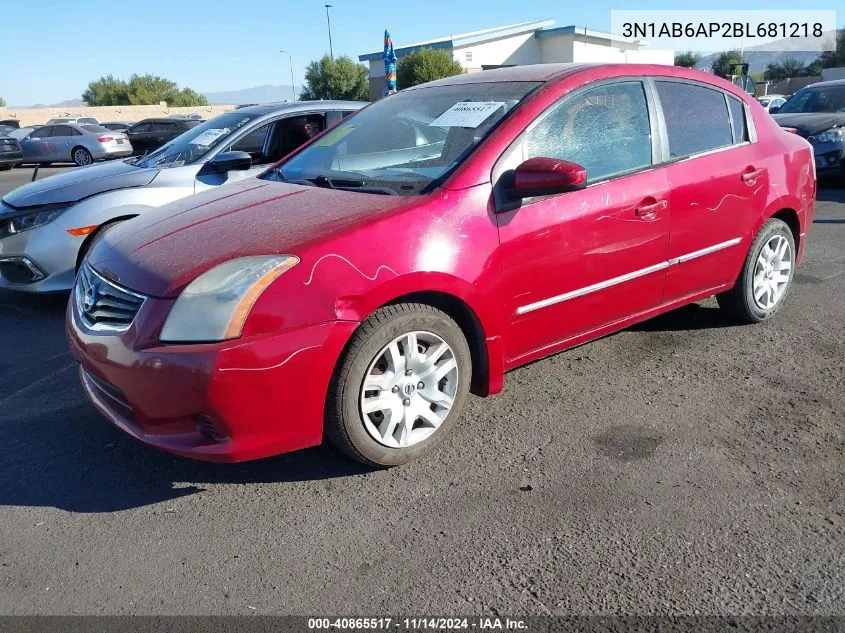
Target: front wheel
x=400 y=384
x=81 y=156
x=766 y=276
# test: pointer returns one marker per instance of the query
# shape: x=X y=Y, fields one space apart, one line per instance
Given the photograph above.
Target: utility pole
x=292 y=87
x=329 y=22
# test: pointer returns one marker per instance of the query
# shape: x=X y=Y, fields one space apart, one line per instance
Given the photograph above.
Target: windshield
x=823 y=99
x=405 y=142
x=196 y=142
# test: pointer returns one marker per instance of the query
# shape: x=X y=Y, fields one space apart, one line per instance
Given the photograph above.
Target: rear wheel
x=81 y=156
x=401 y=383
x=766 y=276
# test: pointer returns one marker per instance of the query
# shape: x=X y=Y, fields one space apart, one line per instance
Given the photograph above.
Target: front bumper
x=50 y=249
x=830 y=157
x=231 y=401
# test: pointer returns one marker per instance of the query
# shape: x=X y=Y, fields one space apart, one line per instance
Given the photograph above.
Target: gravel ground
x=683 y=466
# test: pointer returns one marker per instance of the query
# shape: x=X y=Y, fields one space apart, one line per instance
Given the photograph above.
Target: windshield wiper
x=335 y=183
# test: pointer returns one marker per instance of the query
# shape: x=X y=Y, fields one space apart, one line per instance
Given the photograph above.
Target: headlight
x=833 y=135
x=31 y=220
x=216 y=304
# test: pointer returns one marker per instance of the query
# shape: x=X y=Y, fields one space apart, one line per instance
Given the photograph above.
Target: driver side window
x=604 y=129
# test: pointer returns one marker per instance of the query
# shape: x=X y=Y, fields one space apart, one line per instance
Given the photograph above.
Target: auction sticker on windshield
x=467 y=114
x=209 y=136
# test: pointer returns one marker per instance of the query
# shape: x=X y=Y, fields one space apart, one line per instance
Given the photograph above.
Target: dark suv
x=151 y=134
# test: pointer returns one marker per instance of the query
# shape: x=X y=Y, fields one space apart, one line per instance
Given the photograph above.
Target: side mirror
x=229 y=161
x=544 y=176
x=774 y=110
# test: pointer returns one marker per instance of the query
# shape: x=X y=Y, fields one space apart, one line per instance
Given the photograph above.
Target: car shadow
x=58 y=451
x=685 y=319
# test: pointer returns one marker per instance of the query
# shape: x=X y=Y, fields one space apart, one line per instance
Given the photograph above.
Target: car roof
x=827 y=84
x=301 y=106
x=157 y=119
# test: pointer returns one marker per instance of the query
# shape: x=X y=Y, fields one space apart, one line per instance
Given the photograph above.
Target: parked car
x=818 y=114
x=118 y=126
x=771 y=101
x=80 y=144
x=194 y=116
x=428 y=244
x=10 y=152
x=79 y=120
x=151 y=134
x=47 y=225
x=10 y=122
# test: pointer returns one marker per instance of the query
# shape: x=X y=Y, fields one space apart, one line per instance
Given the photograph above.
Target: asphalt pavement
x=683 y=466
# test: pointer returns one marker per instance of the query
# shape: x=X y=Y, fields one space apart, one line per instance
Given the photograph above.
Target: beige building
x=527 y=43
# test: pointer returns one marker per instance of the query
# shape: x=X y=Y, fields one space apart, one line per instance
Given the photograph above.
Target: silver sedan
x=46 y=226
x=68 y=142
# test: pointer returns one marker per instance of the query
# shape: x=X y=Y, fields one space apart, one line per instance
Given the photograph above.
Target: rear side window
x=141 y=127
x=738 y=125
x=696 y=118
x=604 y=129
x=161 y=126
x=64 y=130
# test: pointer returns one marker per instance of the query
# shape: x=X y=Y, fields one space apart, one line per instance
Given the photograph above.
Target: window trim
x=658 y=149
x=749 y=121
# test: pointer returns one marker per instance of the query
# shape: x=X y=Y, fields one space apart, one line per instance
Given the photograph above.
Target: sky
x=213 y=45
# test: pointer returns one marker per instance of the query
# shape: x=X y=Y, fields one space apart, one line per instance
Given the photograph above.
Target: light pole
x=329 y=22
x=292 y=87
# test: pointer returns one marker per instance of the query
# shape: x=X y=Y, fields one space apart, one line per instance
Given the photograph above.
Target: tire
x=741 y=302
x=81 y=156
x=6 y=167
x=93 y=237
x=366 y=356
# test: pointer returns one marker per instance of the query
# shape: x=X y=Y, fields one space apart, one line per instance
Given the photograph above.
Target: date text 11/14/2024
x=417 y=624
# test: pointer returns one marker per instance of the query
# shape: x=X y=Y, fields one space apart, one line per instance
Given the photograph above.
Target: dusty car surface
x=426 y=245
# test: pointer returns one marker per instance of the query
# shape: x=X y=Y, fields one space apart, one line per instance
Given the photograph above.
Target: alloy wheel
x=409 y=389
x=772 y=272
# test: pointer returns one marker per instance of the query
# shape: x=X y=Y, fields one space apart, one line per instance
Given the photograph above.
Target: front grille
x=102 y=304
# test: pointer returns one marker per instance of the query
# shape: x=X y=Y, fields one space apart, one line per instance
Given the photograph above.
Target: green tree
x=2 y=102
x=106 y=91
x=339 y=78
x=690 y=59
x=139 y=90
x=423 y=65
x=836 y=57
x=725 y=64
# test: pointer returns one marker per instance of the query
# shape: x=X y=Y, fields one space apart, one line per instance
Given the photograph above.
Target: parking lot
x=686 y=465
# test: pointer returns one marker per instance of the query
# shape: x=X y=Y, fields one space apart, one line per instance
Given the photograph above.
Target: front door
x=576 y=261
x=34 y=147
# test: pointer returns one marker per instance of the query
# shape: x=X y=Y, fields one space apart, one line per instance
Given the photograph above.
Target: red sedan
x=428 y=244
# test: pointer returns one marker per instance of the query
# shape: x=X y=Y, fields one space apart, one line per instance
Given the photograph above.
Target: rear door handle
x=751 y=176
x=648 y=211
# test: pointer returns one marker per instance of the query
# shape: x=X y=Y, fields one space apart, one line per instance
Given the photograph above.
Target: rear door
x=61 y=142
x=719 y=184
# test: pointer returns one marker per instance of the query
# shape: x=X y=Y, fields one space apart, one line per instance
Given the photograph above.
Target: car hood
x=808 y=124
x=161 y=252
x=76 y=184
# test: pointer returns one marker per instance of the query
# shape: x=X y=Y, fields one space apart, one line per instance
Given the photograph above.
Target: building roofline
x=463 y=39
x=583 y=30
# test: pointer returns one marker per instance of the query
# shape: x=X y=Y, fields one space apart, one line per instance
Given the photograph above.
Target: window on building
x=696 y=118
x=604 y=129
x=468 y=55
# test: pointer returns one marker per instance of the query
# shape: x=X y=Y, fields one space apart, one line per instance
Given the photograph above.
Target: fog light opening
x=209 y=429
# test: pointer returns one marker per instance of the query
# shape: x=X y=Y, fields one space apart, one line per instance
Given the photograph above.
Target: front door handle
x=650 y=210
x=751 y=176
